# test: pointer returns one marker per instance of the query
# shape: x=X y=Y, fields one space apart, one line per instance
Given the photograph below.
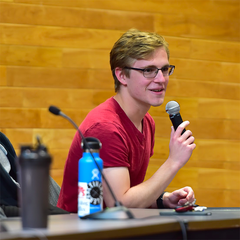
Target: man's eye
x=149 y=70
x=165 y=69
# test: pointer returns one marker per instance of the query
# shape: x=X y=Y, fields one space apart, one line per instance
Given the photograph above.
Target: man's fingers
x=181 y=127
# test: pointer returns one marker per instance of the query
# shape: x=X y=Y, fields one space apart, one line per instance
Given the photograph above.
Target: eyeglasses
x=151 y=72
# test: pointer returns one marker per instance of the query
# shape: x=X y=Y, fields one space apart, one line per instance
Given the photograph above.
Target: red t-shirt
x=123 y=145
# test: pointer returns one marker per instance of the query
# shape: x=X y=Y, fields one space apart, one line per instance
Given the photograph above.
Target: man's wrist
x=160 y=201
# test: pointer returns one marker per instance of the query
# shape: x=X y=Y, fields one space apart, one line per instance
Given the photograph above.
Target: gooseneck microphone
x=173 y=109
x=117 y=212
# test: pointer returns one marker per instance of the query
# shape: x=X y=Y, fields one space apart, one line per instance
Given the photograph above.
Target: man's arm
x=145 y=194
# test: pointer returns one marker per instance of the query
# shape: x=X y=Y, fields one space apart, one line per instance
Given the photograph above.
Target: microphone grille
x=54 y=110
x=172 y=108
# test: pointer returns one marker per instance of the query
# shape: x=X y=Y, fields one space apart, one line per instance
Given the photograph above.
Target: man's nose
x=159 y=77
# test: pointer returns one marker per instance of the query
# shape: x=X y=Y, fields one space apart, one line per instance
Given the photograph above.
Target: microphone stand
x=114 y=213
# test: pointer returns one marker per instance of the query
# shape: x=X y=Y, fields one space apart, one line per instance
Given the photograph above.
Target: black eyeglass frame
x=157 y=70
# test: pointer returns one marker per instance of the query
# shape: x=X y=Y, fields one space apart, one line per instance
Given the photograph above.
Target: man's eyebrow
x=150 y=66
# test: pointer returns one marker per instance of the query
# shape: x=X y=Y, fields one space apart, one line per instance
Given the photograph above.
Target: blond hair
x=131 y=46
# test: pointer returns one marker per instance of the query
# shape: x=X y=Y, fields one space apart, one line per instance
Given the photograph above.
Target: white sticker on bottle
x=83 y=201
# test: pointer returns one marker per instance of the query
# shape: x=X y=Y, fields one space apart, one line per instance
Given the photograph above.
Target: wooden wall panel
x=82 y=38
x=200 y=25
x=199 y=108
x=207 y=71
x=219 y=150
x=39 y=118
x=200 y=49
x=213 y=8
x=74 y=17
x=29 y=56
x=192 y=89
x=74 y=78
x=3 y=79
x=208 y=150
x=57 y=53
x=56 y=36
x=43 y=98
x=204 y=128
x=219 y=51
x=53 y=138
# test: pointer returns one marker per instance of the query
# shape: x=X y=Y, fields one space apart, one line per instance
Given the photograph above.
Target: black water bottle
x=34 y=167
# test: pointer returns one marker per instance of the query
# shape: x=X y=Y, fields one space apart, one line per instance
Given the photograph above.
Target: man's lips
x=157 y=90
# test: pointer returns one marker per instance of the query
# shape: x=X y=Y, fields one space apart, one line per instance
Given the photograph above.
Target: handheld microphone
x=173 y=108
x=117 y=212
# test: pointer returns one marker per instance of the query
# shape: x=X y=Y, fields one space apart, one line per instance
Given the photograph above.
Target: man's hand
x=178 y=197
x=181 y=145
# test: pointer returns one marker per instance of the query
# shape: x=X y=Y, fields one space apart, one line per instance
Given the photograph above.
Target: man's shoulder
x=108 y=105
x=106 y=110
x=107 y=113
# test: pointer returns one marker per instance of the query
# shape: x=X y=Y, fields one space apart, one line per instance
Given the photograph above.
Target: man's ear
x=120 y=76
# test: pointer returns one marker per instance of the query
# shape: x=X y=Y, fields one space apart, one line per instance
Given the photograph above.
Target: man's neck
x=134 y=111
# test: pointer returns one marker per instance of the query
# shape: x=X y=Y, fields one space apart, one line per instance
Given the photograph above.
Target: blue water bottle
x=90 y=194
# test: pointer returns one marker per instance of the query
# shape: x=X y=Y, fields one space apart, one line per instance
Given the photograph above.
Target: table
x=148 y=224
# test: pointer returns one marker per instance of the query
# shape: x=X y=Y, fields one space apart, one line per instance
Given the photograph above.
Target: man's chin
x=157 y=104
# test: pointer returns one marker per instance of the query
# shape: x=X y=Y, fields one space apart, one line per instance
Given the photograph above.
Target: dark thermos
x=34 y=167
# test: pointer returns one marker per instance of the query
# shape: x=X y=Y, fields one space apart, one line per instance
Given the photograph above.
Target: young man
x=141 y=69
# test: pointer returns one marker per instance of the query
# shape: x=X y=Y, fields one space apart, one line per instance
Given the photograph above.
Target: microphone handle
x=176 y=121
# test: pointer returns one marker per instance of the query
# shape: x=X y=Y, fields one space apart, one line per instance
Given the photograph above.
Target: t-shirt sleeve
x=115 y=147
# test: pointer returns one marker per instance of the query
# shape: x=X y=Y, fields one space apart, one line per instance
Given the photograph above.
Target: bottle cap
x=93 y=143
x=34 y=154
